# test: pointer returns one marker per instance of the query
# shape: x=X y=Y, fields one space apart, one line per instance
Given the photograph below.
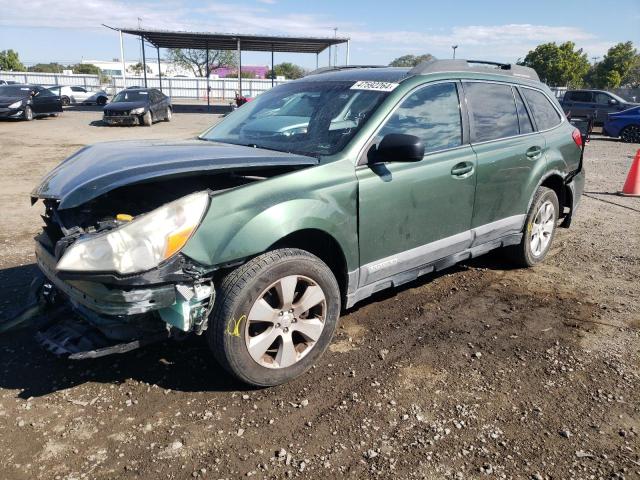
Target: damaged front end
x=117 y=216
x=96 y=313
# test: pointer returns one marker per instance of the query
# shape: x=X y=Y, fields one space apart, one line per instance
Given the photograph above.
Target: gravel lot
x=482 y=371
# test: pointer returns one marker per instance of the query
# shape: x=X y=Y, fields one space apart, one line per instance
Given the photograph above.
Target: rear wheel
x=539 y=230
x=631 y=134
x=27 y=114
x=146 y=119
x=65 y=100
x=274 y=316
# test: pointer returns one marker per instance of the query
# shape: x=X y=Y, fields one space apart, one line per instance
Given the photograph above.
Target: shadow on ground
x=186 y=365
x=216 y=109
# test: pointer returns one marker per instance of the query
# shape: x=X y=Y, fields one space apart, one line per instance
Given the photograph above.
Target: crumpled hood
x=97 y=169
x=124 y=106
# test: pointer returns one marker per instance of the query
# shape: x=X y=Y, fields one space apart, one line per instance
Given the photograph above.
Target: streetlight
x=454 y=50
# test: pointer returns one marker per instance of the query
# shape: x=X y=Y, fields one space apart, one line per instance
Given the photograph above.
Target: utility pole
x=454 y=50
x=595 y=59
x=335 y=47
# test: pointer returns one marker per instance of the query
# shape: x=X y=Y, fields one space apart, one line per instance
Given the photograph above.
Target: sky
x=67 y=31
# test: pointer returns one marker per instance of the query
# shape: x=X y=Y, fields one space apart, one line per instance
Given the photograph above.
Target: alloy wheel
x=542 y=229
x=285 y=321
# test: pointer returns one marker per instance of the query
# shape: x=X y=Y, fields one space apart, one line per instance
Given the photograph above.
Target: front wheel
x=630 y=134
x=147 y=120
x=167 y=118
x=539 y=230
x=101 y=101
x=274 y=316
x=27 y=114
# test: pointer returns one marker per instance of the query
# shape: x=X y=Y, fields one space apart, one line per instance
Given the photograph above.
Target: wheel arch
x=555 y=181
x=324 y=246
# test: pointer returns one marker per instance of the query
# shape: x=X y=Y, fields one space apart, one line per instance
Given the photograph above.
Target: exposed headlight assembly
x=141 y=244
x=137 y=111
x=17 y=104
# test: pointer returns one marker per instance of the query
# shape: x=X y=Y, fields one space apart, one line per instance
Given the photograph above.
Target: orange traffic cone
x=632 y=185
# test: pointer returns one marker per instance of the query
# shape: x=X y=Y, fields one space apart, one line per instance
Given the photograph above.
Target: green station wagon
x=299 y=204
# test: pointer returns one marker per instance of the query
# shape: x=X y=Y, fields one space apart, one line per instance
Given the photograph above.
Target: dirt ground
x=482 y=371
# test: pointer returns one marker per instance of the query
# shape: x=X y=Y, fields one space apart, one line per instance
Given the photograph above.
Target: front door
x=411 y=214
x=46 y=102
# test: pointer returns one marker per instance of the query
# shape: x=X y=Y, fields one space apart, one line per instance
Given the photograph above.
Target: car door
x=605 y=104
x=46 y=102
x=155 y=104
x=411 y=214
x=579 y=104
x=509 y=153
x=80 y=94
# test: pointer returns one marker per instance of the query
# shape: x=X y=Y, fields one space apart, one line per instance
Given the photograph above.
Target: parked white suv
x=76 y=94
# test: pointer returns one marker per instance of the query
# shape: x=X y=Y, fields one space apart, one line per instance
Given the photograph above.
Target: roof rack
x=478 y=66
x=341 y=67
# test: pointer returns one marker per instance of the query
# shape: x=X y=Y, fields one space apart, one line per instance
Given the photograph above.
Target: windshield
x=131 y=96
x=14 y=91
x=309 y=118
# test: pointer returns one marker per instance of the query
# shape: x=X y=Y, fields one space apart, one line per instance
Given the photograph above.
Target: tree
x=618 y=67
x=558 y=65
x=10 y=61
x=286 y=70
x=411 y=60
x=137 y=69
x=196 y=60
x=243 y=74
x=86 y=69
x=52 y=67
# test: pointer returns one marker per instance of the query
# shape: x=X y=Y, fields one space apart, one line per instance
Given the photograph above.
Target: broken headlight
x=140 y=244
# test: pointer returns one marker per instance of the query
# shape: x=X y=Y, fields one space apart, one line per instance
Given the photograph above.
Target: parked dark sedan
x=27 y=102
x=138 y=106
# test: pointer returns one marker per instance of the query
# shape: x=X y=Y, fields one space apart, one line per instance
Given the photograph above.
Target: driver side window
x=431 y=114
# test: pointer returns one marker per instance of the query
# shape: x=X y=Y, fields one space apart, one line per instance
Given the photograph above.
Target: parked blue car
x=625 y=124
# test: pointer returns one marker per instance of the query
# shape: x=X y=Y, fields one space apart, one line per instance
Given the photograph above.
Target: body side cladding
x=406 y=266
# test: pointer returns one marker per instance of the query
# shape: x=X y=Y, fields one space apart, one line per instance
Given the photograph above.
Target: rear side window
x=523 y=117
x=432 y=114
x=493 y=111
x=544 y=113
x=580 y=96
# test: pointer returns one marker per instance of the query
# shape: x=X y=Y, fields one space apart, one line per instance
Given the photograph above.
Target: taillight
x=577 y=137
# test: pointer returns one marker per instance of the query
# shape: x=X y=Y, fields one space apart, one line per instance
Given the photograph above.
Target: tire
x=630 y=134
x=27 y=114
x=101 y=101
x=539 y=230
x=65 y=101
x=146 y=119
x=167 y=118
x=250 y=293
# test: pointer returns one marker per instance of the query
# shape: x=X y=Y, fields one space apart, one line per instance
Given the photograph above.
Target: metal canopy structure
x=231 y=41
x=224 y=41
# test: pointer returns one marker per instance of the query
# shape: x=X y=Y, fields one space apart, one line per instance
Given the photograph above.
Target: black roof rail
x=341 y=67
x=460 y=65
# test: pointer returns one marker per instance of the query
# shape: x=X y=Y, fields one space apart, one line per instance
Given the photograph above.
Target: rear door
x=579 y=104
x=509 y=154
x=412 y=213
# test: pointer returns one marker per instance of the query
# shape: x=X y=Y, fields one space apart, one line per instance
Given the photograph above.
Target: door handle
x=463 y=169
x=533 y=153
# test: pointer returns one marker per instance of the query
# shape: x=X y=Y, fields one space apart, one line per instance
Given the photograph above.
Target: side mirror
x=398 y=147
x=613 y=101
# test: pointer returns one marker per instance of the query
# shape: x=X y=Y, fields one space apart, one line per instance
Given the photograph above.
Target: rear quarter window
x=544 y=113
